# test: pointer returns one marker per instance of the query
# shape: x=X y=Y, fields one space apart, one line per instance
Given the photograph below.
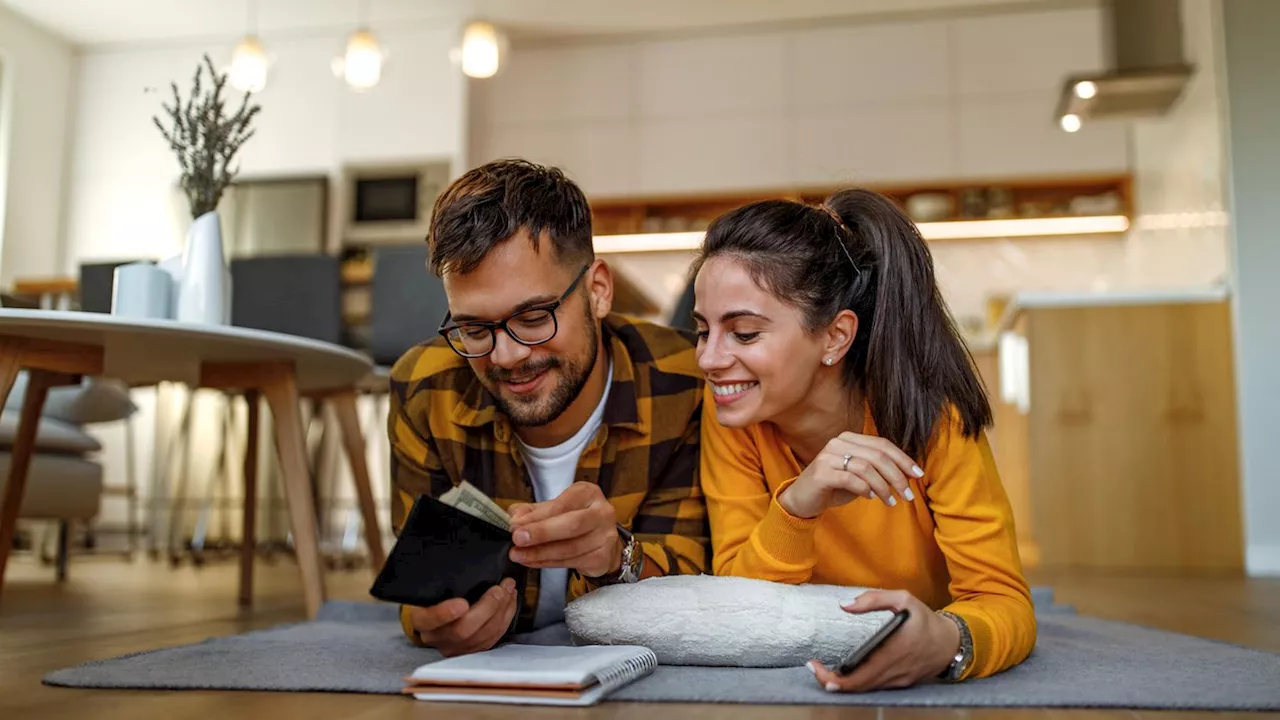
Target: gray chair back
x=96 y=282
x=682 y=315
x=407 y=302
x=293 y=294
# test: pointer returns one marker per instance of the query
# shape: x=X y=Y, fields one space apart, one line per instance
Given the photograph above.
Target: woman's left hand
x=921 y=649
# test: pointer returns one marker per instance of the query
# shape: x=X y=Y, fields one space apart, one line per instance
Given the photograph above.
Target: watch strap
x=631 y=564
x=963 y=658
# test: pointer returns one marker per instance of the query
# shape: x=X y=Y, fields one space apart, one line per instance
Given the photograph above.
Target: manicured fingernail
x=874 y=496
x=811 y=667
x=908 y=495
x=918 y=472
x=832 y=687
x=892 y=501
x=522 y=537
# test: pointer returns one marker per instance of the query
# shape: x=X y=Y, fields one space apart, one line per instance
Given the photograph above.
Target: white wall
x=1252 y=58
x=879 y=103
x=122 y=201
x=121 y=193
x=890 y=102
x=970 y=97
x=1179 y=235
x=1180 y=232
x=37 y=73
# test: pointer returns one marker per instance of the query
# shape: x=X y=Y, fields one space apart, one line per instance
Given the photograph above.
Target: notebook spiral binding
x=626 y=671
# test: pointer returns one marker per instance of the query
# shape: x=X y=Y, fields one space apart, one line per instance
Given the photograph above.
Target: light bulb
x=1086 y=89
x=482 y=49
x=1070 y=122
x=248 y=72
x=362 y=65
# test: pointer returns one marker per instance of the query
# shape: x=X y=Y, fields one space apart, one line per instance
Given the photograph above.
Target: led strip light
x=952 y=230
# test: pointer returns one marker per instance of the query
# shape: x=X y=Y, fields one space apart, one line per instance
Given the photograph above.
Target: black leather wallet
x=443 y=553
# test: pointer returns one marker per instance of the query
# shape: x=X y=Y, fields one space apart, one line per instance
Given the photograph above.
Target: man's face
x=532 y=385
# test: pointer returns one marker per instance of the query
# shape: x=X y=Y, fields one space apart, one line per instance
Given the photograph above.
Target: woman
x=842 y=435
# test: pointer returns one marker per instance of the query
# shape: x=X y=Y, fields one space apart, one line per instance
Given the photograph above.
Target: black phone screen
x=855 y=658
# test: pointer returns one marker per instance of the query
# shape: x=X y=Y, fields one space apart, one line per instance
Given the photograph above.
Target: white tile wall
x=1015 y=134
x=725 y=152
x=1021 y=52
x=717 y=76
x=900 y=141
x=857 y=65
x=892 y=102
x=888 y=102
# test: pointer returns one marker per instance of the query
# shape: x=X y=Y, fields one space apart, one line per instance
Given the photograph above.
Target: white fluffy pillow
x=724 y=621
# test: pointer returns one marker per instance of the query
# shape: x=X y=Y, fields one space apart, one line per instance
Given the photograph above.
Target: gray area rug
x=1078 y=662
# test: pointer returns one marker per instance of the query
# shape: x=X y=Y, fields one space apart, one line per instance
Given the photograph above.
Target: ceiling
x=124 y=22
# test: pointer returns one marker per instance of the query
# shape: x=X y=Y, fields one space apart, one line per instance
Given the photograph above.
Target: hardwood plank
x=108 y=608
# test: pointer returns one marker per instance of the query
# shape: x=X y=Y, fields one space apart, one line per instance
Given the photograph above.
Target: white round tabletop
x=144 y=351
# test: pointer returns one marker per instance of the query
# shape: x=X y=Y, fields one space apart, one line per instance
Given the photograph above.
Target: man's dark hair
x=490 y=203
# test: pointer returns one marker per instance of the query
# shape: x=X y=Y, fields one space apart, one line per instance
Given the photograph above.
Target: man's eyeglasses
x=531 y=326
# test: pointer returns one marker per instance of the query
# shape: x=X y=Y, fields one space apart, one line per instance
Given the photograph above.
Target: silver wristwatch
x=964 y=656
x=632 y=561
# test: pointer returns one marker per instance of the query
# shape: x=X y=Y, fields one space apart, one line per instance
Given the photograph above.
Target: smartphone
x=855 y=658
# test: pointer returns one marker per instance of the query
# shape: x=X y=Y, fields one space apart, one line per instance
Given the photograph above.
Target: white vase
x=204 y=292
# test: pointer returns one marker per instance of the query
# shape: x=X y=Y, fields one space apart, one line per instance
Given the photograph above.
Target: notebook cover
x=532 y=674
x=443 y=553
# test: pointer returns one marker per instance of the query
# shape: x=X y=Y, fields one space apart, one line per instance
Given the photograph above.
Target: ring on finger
x=847 y=458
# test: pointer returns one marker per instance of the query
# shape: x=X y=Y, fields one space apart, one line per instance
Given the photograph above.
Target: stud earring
x=828 y=361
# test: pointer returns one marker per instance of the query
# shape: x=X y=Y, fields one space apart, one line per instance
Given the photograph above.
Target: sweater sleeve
x=751 y=534
x=975 y=531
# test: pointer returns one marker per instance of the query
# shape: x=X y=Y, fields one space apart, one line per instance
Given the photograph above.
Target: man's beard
x=534 y=411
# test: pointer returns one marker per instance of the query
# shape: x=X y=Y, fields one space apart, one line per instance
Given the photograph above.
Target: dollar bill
x=467 y=498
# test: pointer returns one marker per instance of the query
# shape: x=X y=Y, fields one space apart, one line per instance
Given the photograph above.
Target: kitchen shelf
x=1004 y=198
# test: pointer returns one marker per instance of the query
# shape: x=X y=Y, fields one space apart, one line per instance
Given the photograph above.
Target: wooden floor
x=109 y=607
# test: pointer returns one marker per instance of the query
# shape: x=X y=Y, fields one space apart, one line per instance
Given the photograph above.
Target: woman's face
x=752 y=347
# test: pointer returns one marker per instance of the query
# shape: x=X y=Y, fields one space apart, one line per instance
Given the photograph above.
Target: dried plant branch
x=205 y=138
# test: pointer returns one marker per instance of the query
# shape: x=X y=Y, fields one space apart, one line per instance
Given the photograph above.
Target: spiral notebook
x=533 y=674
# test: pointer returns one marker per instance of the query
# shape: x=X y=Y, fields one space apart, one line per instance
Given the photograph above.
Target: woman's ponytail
x=916 y=365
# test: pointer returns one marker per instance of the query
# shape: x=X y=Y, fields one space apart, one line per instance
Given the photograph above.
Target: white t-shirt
x=552 y=470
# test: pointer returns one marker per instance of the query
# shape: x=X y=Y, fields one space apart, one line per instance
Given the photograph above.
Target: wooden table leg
x=10 y=364
x=24 y=441
x=281 y=391
x=248 y=535
x=344 y=406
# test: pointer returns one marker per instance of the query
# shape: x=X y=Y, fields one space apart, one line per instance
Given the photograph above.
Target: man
x=583 y=424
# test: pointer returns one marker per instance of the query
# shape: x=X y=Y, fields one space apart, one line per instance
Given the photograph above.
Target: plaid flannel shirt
x=444 y=427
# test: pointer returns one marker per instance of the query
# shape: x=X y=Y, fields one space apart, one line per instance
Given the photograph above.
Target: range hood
x=1147 y=71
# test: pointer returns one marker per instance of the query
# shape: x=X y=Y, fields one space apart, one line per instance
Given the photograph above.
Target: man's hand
x=577 y=530
x=454 y=628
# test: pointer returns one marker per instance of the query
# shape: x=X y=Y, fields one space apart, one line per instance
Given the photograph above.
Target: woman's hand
x=920 y=650
x=850 y=466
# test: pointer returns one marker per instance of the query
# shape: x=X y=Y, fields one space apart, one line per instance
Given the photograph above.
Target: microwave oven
x=392 y=204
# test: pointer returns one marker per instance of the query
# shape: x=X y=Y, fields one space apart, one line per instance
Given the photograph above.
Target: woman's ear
x=840 y=335
x=599 y=280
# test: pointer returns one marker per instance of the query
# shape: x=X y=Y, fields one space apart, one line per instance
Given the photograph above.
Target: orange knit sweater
x=953 y=548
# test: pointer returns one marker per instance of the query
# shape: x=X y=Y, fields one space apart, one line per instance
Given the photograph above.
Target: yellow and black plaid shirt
x=444 y=427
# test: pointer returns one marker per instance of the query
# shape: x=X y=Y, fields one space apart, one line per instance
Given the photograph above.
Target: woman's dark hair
x=490 y=203
x=859 y=252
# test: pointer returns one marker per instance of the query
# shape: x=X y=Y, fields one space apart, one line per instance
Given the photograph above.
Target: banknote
x=467 y=498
